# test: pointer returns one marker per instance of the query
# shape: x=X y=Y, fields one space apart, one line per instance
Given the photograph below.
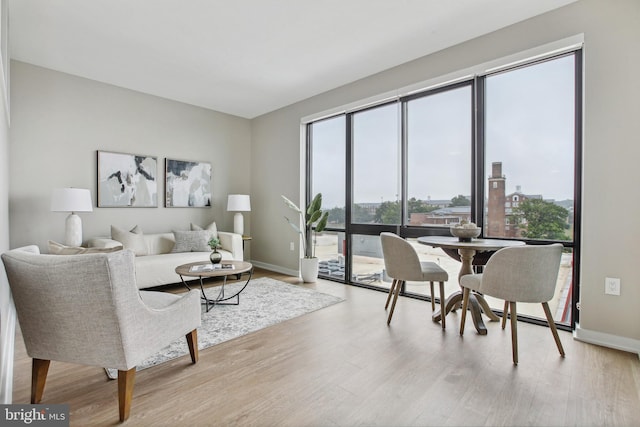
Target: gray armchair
x=402 y=264
x=87 y=309
x=518 y=274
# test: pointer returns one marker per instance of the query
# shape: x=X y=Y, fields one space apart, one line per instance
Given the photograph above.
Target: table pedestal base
x=477 y=305
x=221 y=299
x=466 y=252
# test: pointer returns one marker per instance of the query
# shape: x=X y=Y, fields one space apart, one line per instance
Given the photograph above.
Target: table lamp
x=72 y=200
x=238 y=203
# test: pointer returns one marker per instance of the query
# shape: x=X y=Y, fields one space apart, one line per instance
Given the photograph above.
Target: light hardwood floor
x=342 y=366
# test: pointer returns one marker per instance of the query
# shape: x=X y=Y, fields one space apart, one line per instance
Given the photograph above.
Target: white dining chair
x=402 y=264
x=518 y=274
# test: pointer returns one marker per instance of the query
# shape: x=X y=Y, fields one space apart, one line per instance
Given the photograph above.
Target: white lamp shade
x=71 y=200
x=238 y=203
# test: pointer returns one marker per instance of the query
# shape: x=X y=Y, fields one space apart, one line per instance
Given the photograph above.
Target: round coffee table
x=224 y=269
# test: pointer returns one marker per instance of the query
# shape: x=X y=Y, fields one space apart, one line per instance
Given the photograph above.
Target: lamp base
x=238 y=224
x=73 y=230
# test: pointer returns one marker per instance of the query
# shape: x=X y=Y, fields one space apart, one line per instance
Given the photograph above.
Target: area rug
x=263 y=303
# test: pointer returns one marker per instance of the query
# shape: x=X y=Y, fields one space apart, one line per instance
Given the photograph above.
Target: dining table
x=469 y=252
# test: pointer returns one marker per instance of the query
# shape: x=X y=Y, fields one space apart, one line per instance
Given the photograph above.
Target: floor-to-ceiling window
x=501 y=149
x=376 y=186
x=328 y=177
x=530 y=153
x=438 y=138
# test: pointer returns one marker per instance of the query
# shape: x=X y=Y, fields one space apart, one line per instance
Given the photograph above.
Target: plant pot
x=309 y=269
x=215 y=257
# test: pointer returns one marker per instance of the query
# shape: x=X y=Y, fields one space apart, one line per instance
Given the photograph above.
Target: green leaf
x=314 y=217
x=315 y=205
x=322 y=224
x=214 y=243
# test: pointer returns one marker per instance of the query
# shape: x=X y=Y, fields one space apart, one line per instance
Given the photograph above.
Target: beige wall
x=611 y=150
x=59 y=122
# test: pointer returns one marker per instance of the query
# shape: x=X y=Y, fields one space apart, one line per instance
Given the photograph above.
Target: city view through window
x=528 y=148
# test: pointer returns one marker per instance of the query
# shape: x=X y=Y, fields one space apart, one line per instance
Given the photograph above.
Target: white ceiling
x=246 y=57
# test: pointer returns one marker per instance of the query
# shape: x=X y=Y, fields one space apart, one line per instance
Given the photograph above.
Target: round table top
x=238 y=267
x=480 y=245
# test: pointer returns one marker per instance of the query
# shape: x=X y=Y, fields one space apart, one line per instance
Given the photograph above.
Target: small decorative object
x=215 y=256
x=127 y=180
x=238 y=203
x=313 y=215
x=188 y=184
x=72 y=200
x=465 y=231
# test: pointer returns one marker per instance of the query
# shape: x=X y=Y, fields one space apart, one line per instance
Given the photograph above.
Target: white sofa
x=157 y=268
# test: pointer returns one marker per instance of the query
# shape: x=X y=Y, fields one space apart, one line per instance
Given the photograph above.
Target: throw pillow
x=56 y=248
x=133 y=239
x=213 y=228
x=192 y=241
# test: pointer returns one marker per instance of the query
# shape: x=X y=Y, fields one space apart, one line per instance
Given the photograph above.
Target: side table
x=245 y=239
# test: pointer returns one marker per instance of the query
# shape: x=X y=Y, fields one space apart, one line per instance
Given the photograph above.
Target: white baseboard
x=276 y=268
x=607 y=340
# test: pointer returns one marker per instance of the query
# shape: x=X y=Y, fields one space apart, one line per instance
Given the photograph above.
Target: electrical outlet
x=612 y=286
x=291 y=246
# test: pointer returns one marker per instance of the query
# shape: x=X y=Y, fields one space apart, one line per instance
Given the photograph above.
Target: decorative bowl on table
x=465 y=232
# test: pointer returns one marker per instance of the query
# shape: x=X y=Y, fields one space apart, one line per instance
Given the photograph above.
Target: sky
x=529 y=128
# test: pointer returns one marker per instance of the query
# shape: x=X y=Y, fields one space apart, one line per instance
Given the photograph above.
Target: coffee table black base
x=221 y=299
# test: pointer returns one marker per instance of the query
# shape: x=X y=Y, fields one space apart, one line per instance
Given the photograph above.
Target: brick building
x=501 y=221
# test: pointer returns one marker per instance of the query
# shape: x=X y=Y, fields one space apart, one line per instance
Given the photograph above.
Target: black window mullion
x=478 y=172
x=404 y=208
x=308 y=183
x=577 y=197
x=348 y=228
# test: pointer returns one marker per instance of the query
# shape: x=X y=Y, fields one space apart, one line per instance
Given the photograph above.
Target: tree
x=336 y=215
x=361 y=215
x=460 y=200
x=544 y=220
x=419 y=206
x=388 y=213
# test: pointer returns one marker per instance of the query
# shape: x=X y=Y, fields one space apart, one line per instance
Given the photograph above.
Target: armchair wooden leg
x=552 y=326
x=443 y=310
x=39 y=370
x=465 y=305
x=433 y=303
x=505 y=312
x=395 y=299
x=391 y=289
x=192 y=342
x=514 y=331
x=125 y=391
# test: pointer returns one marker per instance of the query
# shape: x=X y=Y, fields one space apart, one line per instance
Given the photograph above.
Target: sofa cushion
x=213 y=228
x=133 y=239
x=191 y=241
x=103 y=243
x=56 y=248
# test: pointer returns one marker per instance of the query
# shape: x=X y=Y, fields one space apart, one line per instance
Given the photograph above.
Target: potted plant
x=306 y=220
x=215 y=256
